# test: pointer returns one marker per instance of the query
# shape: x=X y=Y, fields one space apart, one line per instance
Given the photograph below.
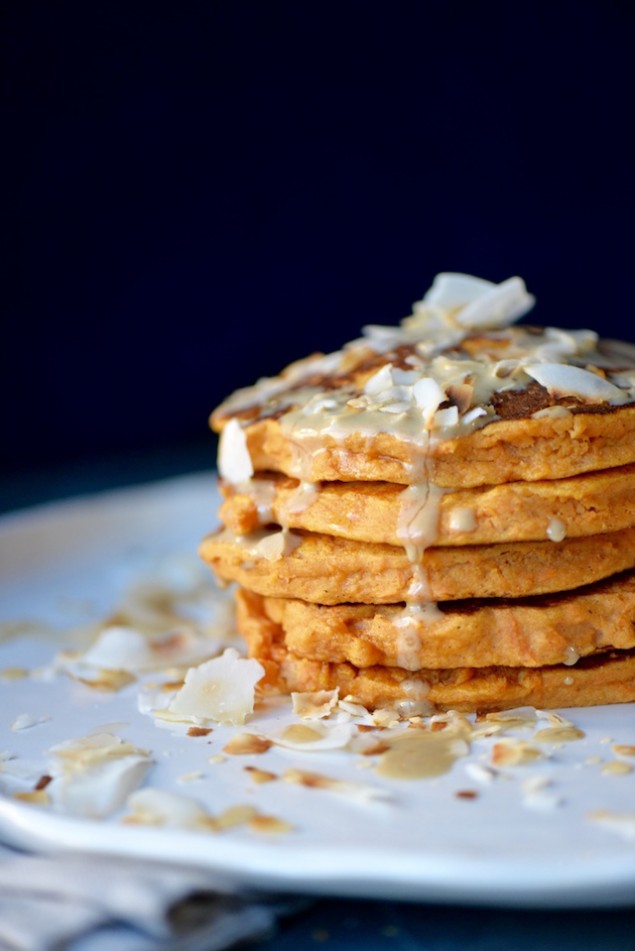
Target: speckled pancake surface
x=548 y=447
x=589 y=504
x=328 y=570
x=530 y=632
x=600 y=679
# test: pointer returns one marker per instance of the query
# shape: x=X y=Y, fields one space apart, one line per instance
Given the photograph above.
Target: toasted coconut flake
x=220 y=690
x=313 y=780
x=385 y=718
x=554 y=718
x=563 y=380
x=93 y=775
x=616 y=768
x=512 y=752
x=107 y=680
x=621 y=822
x=244 y=744
x=518 y=718
x=199 y=731
x=158 y=807
x=623 y=749
x=13 y=673
x=315 y=738
x=260 y=775
x=233 y=816
x=38 y=797
x=355 y=709
x=269 y=825
x=558 y=734
x=314 y=706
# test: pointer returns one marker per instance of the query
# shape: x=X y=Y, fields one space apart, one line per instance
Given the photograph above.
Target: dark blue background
x=199 y=192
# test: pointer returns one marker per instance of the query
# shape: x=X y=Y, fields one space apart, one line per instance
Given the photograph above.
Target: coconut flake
x=315 y=738
x=538 y=796
x=24 y=721
x=93 y=775
x=234 y=461
x=315 y=705
x=428 y=396
x=158 y=807
x=221 y=690
x=125 y=648
x=276 y=545
x=497 y=306
x=444 y=418
x=562 y=380
x=353 y=791
x=379 y=381
x=621 y=822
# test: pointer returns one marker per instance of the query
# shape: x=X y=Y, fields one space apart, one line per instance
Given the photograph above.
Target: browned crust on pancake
x=602 y=679
x=588 y=504
x=533 y=632
x=503 y=451
x=328 y=570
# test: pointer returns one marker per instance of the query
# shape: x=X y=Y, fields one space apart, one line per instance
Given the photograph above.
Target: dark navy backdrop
x=199 y=192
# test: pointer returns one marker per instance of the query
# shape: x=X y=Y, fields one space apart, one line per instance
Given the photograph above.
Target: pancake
x=328 y=570
x=600 y=679
x=455 y=396
x=590 y=504
x=546 y=447
x=441 y=513
x=531 y=632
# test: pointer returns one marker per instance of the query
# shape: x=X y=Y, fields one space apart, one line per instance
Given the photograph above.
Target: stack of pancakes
x=440 y=515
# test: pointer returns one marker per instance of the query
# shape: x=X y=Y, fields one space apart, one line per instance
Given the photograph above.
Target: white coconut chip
x=498 y=306
x=538 y=795
x=315 y=738
x=428 y=396
x=125 y=648
x=562 y=380
x=158 y=807
x=379 y=381
x=234 y=461
x=93 y=775
x=221 y=690
x=24 y=721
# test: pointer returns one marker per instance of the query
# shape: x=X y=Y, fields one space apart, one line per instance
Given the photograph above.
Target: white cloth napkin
x=88 y=903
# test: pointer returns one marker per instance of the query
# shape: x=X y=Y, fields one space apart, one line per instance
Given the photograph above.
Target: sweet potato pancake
x=444 y=509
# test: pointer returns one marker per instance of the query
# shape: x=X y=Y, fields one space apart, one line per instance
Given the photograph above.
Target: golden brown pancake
x=600 y=679
x=442 y=511
x=438 y=400
x=589 y=504
x=549 y=447
x=531 y=632
x=328 y=570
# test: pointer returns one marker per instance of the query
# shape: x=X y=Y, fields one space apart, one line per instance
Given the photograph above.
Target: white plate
x=69 y=562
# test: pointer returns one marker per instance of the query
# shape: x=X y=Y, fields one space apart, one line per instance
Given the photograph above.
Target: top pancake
x=455 y=396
